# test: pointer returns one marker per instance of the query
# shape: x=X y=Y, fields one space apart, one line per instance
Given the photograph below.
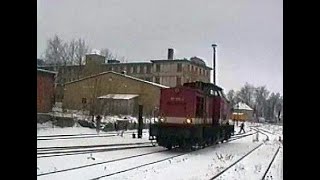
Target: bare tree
x=261 y=95
x=122 y=59
x=107 y=54
x=54 y=51
x=71 y=51
x=246 y=94
x=81 y=48
x=231 y=97
x=111 y=56
x=272 y=102
x=56 y=54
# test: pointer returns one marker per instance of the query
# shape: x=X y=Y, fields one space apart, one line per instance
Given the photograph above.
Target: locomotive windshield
x=199 y=107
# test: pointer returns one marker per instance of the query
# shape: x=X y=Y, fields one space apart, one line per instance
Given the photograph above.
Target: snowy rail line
x=129 y=169
x=85 y=134
x=105 y=162
x=75 y=161
x=76 y=152
x=84 y=147
x=239 y=137
x=220 y=173
x=78 y=137
x=124 y=158
x=276 y=153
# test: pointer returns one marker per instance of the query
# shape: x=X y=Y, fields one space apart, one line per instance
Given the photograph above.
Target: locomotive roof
x=203 y=85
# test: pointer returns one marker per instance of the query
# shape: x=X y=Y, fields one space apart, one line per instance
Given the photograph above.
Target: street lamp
x=214 y=63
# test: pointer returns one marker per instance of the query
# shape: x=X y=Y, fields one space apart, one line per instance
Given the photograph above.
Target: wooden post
x=140 y=121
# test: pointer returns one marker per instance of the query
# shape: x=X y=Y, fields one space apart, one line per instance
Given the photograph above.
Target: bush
x=64 y=121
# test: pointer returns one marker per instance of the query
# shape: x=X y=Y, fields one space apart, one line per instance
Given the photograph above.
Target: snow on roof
x=242 y=106
x=95 y=51
x=131 y=77
x=118 y=96
x=152 y=83
x=46 y=71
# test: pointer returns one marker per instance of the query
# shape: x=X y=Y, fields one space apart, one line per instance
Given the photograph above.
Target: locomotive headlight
x=188 y=121
x=162 y=119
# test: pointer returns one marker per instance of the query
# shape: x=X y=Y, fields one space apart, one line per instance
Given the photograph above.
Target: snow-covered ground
x=200 y=164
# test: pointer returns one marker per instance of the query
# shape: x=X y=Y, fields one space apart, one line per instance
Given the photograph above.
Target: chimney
x=170 y=54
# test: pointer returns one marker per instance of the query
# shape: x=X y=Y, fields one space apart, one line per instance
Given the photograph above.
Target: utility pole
x=214 y=63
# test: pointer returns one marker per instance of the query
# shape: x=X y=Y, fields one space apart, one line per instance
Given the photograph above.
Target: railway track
x=258 y=130
x=129 y=157
x=266 y=131
x=41 y=149
x=77 y=137
x=85 y=134
x=104 y=162
x=237 y=161
x=136 y=167
x=76 y=152
x=267 y=170
x=239 y=137
x=146 y=164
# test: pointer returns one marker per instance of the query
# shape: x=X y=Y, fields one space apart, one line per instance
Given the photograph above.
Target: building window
x=141 y=69
x=179 y=67
x=200 y=71
x=148 y=69
x=134 y=69
x=189 y=67
x=157 y=80
x=158 y=68
x=149 y=79
x=192 y=68
x=84 y=100
x=178 y=81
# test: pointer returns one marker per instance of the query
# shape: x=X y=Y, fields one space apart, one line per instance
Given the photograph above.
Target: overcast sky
x=249 y=33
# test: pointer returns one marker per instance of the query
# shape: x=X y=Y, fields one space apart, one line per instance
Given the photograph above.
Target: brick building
x=45 y=90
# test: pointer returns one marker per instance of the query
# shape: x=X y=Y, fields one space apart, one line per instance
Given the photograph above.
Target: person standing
x=98 y=123
x=242 y=128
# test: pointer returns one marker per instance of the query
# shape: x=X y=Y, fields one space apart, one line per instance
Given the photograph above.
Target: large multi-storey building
x=169 y=72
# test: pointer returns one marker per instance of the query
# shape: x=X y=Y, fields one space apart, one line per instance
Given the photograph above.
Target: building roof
x=126 y=63
x=124 y=75
x=180 y=60
x=46 y=71
x=242 y=106
x=118 y=96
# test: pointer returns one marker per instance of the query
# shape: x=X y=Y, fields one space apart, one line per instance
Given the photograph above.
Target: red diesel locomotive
x=196 y=113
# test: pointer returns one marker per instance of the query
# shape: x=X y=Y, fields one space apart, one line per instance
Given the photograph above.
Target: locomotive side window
x=199 y=106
